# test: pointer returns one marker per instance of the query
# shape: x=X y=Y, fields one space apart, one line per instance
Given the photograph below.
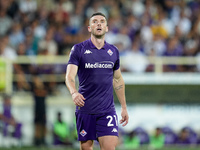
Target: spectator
x=135 y=60
x=184 y=24
x=191 y=49
x=76 y=19
x=39 y=94
x=174 y=48
x=31 y=44
x=4 y=4
x=16 y=36
x=131 y=141
x=6 y=50
x=9 y=120
x=59 y=15
x=193 y=136
x=28 y=6
x=120 y=37
x=66 y=5
x=197 y=26
x=158 y=139
x=137 y=8
x=113 y=7
x=13 y=9
x=61 y=131
x=5 y=22
x=39 y=31
x=21 y=70
x=96 y=6
x=49 y=43
x=146 y=34
x=59 y=37
x=183 y=138
x=165 y=22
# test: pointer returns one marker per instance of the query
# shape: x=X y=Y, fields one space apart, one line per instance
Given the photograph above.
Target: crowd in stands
x=9 y=125
x=139 y=28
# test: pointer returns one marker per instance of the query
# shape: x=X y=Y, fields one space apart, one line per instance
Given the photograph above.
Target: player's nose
x=99 y=23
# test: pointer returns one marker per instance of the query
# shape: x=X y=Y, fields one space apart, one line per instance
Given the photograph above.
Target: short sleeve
x=117 y=63
x=74 y=56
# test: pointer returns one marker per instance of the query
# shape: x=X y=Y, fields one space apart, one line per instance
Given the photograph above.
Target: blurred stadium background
x=159 y=44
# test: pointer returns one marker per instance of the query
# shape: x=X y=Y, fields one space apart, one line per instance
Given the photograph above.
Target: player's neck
x=98 y=42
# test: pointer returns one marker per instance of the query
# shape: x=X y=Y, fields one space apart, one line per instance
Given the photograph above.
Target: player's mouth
x=99 y=29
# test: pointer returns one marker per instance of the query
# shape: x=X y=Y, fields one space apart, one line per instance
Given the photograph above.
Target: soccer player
x=97 y=64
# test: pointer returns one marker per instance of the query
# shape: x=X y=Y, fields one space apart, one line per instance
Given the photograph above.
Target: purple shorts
x=92 y=126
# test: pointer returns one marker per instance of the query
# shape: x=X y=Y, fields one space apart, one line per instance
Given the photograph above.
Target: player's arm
x=119 y=87
x=71 y=85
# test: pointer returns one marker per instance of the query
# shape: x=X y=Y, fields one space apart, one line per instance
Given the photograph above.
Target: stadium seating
x=142 y=134
x=193 y=137
x=170 y=135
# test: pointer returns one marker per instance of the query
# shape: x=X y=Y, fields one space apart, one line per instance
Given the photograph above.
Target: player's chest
x=94 y=55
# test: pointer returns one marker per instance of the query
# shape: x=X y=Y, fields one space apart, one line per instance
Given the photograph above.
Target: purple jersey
x=95 y=73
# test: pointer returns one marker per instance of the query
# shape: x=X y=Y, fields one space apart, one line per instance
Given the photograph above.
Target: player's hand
x=125 y=117
x=78 y=99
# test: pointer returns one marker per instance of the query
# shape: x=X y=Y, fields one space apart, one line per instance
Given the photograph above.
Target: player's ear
x=89 y=28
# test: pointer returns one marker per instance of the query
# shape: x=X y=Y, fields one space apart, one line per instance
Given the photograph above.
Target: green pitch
x=68 y=148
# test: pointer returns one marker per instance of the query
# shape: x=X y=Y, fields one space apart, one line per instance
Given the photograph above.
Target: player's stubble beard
x=98 y=36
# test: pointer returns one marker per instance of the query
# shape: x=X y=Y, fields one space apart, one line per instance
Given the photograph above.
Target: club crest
x=110 y=52
x=83 y=132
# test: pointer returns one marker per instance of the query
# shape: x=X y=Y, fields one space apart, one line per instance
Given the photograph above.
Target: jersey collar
x=91 y=45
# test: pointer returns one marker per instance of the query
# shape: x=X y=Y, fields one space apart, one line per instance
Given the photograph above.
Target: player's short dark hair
x=98 y=13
